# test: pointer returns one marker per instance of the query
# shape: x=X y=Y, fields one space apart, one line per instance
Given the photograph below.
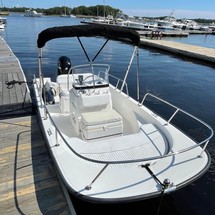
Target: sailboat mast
x=104 y=8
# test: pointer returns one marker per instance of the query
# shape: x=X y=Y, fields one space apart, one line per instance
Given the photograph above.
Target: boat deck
x=148 y=142
x=28 y=182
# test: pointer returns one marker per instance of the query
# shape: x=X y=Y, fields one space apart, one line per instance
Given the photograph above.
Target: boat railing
x=190 y=118
x=117 y=84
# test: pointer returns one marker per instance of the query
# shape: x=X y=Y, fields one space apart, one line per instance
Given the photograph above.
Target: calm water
x=184 y=83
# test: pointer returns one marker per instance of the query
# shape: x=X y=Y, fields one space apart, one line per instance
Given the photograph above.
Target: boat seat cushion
x=100 y=117
x=101 y=124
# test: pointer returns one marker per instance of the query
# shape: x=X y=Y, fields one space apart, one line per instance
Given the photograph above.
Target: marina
x=44 y=176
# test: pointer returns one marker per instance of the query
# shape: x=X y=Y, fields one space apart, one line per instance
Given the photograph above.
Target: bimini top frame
x=109 y=32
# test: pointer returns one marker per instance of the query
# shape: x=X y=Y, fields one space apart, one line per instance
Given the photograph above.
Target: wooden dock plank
x=28 y=182
x=13 y=98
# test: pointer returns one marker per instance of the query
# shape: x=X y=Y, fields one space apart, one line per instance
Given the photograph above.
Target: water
x=182 y=82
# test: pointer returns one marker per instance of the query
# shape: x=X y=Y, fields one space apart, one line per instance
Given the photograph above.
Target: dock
x=29 y=183
x=199 y=53
x=14 y=92
x=169 y=33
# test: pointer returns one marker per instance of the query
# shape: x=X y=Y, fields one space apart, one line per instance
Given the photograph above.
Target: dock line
x=10 y=84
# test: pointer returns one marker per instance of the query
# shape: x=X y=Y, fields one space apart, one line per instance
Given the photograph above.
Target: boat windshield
x=91 y=74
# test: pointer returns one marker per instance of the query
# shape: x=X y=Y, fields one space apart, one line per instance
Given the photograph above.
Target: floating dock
x=181 y=49
x=28 y=182
x=149 y=34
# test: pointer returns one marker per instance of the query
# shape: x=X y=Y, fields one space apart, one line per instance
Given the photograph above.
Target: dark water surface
x=182 y=82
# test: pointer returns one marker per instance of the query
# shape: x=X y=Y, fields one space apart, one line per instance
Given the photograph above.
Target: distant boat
x=65 y=15
x=3 y=20
x=2 y=25
x=103 y=20
x=138 y=25
x=32 y=13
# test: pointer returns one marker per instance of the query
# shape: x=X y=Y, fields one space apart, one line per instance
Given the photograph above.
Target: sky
x=152 y=8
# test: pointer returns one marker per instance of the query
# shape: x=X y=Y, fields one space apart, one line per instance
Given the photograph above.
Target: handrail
x=117 y=84
x=206 y=141
x=177 y=110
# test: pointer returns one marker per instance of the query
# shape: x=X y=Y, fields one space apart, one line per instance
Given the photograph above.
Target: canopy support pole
x=128 y=69
x=83 y=49
x=42 y=88
x=100 y=50
x=138 y=82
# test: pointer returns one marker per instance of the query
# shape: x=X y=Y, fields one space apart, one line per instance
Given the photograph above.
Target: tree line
x=98 y=10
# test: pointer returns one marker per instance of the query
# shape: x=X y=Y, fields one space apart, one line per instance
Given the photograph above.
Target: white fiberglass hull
x=98 y=182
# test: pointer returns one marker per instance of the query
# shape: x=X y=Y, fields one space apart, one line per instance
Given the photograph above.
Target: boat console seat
x=101 y=124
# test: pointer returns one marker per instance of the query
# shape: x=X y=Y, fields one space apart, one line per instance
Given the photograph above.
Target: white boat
x=165 y=24
x=69 y=15
x=138 y=25
x=107 y=146
x=103 y=20
x=3 y=20
x=191 y=24
x=32 y=13
x=170 y=23
x=2 y=25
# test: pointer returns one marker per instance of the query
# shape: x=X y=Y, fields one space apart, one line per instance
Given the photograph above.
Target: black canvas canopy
x=108 y=31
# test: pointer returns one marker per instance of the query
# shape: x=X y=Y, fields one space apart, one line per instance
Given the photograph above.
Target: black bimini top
x=108 y=31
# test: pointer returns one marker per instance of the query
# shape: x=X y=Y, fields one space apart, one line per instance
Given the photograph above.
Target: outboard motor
x=64 y=64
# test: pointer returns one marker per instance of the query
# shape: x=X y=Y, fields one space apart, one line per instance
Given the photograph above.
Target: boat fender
x=49 y=93
x=64 y=65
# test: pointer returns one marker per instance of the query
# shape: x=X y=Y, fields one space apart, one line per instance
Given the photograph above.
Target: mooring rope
x=146 y=166
x=10 y=84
